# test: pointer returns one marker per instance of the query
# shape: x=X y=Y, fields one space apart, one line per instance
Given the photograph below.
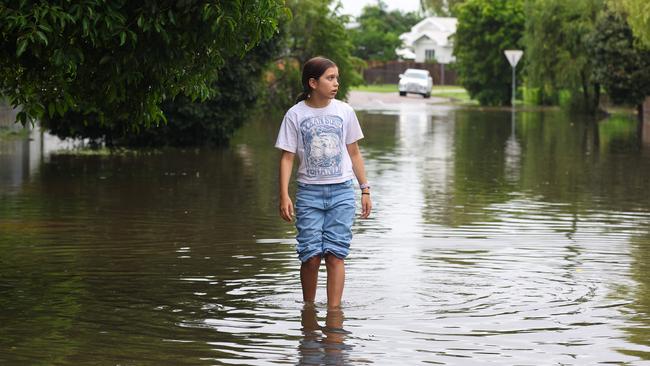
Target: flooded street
x=495 y=239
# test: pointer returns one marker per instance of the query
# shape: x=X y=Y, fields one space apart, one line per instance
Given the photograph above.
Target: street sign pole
x=512 y=98
x=513 y=57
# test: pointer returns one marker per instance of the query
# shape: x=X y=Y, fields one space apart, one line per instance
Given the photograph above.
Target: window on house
x=429 y=55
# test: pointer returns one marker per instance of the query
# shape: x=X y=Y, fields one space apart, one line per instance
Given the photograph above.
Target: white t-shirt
x=319 y=137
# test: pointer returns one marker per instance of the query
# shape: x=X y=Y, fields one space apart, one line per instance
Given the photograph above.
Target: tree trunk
x=585 y=94
x=597 y=97
x=639 y=113
x=644 y=121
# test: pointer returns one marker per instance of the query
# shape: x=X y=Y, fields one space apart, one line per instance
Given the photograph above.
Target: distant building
x=429 y=40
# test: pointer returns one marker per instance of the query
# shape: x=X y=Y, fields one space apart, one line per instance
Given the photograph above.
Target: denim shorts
x=324 y=218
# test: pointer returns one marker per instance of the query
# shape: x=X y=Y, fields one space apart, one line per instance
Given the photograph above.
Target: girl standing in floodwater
x=323 y=132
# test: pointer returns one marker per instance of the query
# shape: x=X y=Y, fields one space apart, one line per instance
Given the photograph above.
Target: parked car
x=415 y=81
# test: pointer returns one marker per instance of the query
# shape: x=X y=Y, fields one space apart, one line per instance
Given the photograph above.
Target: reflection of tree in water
x=114 y=250
x=39 y=304
x=476 y=175
x=618 y=134
x=380 y=139
x=553 y=157
x=323 y=345
x=639 y=333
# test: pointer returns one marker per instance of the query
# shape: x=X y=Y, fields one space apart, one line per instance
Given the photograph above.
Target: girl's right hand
x=286 y=209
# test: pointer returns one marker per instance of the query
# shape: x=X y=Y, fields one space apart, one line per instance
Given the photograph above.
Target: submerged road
x=372 y=100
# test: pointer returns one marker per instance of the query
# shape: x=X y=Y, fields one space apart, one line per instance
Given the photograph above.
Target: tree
x=441 y=7
x=377 y=35
x=620 y=66
x=485 y=29
x=557 y=52
x=114 y=62
x=189 y=123
x=315 y=30
x=639 y=19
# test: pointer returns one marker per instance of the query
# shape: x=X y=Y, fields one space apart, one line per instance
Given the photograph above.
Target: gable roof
x=440 y=39
x=437 y=29
x=442 y=24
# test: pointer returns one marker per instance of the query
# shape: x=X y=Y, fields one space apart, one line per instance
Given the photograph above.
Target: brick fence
x=388 y=73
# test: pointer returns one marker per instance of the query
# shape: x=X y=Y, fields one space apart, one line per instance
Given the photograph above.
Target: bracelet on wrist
x=368 y=193
x=364 y=185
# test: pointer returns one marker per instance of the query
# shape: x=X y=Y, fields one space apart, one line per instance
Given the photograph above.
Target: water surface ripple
x=488 y=245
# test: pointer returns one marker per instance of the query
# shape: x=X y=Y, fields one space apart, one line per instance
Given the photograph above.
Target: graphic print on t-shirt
x=323 y=140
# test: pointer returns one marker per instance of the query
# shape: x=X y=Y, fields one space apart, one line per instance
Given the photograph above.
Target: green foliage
x=639 y=19
x=315 y=30
x=114 y=62
x=377 y=35
x=618 y=131
x=7 y=133
x=557 y=55
x=485 y=29
x=189 y=123
x=441 y=7
x=621 y=66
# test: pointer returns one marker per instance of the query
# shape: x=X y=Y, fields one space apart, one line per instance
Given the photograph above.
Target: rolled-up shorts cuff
x=341 y=254
x=306 y=255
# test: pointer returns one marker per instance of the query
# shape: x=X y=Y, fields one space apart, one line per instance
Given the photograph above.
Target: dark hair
x=314 y=68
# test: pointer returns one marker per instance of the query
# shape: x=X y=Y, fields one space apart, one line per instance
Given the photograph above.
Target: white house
x=429 y=40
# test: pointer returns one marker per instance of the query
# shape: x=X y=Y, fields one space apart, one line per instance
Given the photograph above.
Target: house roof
x=437 y=29
x=439 y=38
x=442 y=24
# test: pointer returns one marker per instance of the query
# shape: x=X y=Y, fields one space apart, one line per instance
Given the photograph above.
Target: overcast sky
x=354 y=7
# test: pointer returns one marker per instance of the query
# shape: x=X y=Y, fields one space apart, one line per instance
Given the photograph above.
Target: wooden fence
x=388 y=73
x=7 y=114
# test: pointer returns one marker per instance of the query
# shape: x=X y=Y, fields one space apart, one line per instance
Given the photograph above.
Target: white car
x=415 y=81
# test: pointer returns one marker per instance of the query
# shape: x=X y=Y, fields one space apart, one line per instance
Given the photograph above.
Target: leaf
x=21 y=117
x=45 y=28
x=22 y=46
x=61 y=108
x=122 y=38
x=105 y=59
x=38 y=110
x=42 y=36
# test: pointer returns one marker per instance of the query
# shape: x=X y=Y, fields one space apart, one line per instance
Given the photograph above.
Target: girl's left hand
x=366 y=206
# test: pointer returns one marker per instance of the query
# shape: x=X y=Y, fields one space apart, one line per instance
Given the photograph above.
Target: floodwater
x=493 y=240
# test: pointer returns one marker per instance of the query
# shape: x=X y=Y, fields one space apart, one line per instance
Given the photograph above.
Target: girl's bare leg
x=309 y=278
x=335 y=280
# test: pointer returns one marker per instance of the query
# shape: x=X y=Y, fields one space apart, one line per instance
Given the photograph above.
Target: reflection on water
x=496 y=239
x=323 y=345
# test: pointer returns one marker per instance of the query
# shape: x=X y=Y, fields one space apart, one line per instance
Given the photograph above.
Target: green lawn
x=7 y=133
x=377 y=88
x=455 y=92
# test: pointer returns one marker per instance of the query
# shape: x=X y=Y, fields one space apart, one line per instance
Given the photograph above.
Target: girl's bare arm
x=360 y=172
x=286 y=205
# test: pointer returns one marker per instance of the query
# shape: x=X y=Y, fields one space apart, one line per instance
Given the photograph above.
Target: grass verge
x=453 y=92
x=7 y=133
x=105 y=151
